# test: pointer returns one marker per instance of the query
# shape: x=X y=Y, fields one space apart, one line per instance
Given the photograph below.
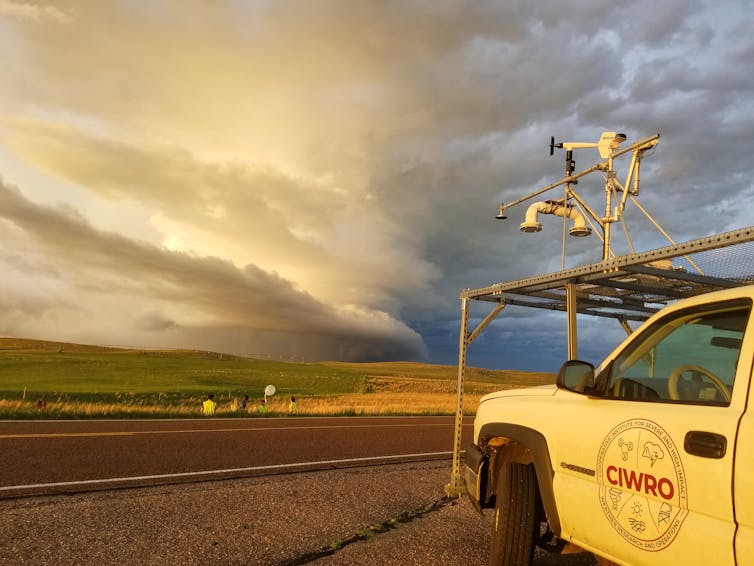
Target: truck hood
x=538 y=391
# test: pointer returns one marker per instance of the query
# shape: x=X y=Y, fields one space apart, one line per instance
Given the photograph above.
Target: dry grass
x=398 y=396
x=73 y=409
x=381 y=396
x=401 y=403
x=386 y=404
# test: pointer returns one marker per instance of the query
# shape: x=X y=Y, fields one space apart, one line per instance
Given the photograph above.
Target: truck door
x=661 y=436
x=743 y=480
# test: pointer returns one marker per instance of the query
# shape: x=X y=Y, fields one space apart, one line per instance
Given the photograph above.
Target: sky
x=318 y=180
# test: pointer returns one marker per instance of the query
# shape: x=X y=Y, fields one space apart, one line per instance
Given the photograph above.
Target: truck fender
x=523 y=445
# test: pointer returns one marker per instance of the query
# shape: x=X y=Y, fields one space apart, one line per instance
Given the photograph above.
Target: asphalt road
x=59 y=456
x=371 y=515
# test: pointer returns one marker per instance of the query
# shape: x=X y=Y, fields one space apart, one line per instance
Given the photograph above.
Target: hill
x=64 y=372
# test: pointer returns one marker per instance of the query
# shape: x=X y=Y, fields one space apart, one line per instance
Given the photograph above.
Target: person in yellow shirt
x=209 y=406
x=292 y=407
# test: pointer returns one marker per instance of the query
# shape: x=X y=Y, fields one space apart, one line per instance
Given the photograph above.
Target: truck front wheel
x=515 y=515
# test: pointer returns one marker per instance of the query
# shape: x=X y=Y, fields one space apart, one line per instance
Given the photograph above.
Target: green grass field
x=70 y=373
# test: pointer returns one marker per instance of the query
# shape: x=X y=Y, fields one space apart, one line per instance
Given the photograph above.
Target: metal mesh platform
x=633 y=287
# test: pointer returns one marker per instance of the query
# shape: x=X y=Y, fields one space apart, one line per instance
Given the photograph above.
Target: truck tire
x=515 y=515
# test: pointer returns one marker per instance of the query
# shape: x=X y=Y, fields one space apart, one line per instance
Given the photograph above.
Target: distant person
x=263 y=408
x=245 y=404
x=41 y=405
x=292 y=407
x=209 y=406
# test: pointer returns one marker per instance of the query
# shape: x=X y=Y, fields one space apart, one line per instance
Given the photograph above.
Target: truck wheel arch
x=525 y=446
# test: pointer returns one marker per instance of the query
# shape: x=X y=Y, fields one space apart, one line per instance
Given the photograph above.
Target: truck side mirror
x=577 y=376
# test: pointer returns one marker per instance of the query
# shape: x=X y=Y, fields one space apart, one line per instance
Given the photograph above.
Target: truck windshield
x=688 y=357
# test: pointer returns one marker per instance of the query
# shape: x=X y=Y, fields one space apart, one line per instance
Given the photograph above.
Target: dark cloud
x=203 y=288
x=351 y=157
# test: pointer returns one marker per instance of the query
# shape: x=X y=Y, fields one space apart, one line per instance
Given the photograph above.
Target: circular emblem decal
x=642 y=486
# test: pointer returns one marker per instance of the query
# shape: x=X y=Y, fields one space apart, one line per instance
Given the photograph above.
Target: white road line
x=217 y=472
x=206 y=430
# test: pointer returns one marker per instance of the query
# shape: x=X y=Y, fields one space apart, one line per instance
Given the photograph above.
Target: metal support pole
x=625 y=326
x=571 y=308
x=455 y=487
x=607 y=220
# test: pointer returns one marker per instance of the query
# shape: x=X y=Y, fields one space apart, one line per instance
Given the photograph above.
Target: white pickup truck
x=647 y=459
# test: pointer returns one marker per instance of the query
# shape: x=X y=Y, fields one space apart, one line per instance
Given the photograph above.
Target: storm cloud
x=319 y=180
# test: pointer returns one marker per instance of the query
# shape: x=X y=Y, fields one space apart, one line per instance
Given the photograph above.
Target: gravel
x=313 y=518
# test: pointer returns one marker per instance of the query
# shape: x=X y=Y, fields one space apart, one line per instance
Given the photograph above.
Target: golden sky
x=318 y=179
